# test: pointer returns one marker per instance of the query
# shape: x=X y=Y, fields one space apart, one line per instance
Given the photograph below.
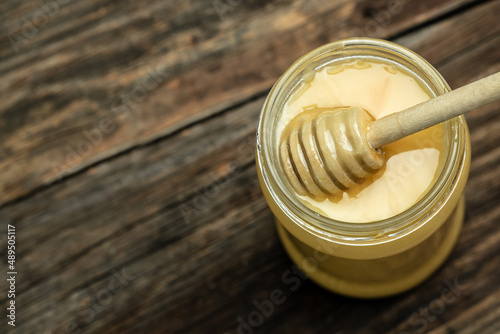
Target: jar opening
x=273 y=178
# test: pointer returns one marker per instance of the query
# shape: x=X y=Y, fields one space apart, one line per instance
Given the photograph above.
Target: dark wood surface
x=127 y=132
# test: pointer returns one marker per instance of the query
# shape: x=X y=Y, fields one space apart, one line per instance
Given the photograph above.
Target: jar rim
x=404 y=222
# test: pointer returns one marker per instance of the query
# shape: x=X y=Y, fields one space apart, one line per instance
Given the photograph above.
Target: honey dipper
x=326 y=151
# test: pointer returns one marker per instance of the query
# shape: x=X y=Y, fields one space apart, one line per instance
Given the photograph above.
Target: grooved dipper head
x=324 y=152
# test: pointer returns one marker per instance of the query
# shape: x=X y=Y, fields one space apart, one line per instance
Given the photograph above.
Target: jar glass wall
x=378 y=258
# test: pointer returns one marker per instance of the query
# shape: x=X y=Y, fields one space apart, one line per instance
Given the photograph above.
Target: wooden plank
x=98 y=78
x=79 y=262
x=454 y=35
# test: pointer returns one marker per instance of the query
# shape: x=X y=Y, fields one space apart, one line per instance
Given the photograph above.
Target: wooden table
x=127 y=131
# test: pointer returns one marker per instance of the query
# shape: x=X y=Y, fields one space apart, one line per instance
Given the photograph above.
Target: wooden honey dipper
x=327 y=151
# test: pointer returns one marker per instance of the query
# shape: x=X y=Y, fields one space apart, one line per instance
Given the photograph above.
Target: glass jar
x=379 y=258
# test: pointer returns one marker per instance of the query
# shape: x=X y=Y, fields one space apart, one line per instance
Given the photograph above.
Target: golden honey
x=398 y=226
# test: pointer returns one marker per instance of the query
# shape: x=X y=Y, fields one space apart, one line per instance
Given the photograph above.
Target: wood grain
x=162 y=228
x=137 y=68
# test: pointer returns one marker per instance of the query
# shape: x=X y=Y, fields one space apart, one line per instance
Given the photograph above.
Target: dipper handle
x=421 y=116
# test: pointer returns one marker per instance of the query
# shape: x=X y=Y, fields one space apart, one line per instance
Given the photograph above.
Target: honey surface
x=412 y=164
